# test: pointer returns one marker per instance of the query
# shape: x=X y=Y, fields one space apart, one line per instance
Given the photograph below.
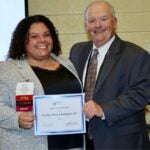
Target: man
x=122 y=89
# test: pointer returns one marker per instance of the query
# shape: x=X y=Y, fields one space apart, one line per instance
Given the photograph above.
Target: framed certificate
x=59 y=114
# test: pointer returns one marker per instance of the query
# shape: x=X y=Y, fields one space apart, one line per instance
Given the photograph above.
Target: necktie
x=90 y=83
x=91 y=76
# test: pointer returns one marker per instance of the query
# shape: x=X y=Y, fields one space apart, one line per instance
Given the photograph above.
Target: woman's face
x=39 y=43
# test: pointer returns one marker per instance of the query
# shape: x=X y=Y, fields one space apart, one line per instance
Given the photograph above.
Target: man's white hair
x=112 y=10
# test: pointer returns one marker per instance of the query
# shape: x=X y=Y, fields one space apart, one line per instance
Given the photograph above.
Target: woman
x=33 y=58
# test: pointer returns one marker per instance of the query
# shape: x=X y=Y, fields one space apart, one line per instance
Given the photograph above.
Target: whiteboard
x=11 y=12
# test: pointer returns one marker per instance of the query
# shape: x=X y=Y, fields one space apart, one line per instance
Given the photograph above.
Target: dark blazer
x=122 y=89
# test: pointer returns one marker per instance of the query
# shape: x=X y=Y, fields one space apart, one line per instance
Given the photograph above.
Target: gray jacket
x=11 y=136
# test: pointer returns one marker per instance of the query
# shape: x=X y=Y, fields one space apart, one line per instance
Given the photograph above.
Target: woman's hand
x=26 y=119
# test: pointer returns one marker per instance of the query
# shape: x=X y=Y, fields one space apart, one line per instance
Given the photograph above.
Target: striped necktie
x=90 y=83
x=91 y=76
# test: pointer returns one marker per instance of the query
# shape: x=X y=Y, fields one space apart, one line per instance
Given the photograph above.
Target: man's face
x=100 y=23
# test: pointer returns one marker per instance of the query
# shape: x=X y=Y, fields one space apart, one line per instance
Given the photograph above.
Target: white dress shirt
x=102 y=52
x=101 y=56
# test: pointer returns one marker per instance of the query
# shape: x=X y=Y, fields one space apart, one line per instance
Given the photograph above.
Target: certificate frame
x=59 y=114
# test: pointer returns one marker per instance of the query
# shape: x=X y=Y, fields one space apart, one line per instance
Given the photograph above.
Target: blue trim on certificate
x=59 y=114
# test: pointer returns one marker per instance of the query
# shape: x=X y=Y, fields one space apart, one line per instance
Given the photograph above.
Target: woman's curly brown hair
x=17 y=49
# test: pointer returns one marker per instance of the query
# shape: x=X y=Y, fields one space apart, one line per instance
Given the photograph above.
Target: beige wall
x=67 y=15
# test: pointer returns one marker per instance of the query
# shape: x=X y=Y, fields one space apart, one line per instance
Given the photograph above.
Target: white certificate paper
x=59 y=114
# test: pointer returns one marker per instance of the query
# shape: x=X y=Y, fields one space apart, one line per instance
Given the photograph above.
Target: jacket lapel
x=110 y=60
x=28 y=75
x=84 y=56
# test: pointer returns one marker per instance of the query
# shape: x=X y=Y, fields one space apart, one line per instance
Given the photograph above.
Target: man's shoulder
x=82 y=44
x=133 y=48
x=129 y=47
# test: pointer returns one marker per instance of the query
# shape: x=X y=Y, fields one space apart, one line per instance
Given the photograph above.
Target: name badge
x=24 y=96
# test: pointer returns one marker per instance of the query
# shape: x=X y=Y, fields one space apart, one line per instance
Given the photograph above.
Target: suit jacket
x=122 y=90
x=12 y=137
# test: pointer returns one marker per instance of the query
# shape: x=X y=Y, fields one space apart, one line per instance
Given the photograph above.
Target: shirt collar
x=103 y=50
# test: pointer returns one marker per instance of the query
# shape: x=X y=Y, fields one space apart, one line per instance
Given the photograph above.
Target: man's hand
x=92 y=109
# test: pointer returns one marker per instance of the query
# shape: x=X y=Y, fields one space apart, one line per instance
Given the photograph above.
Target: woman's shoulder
x=65 y=61
x=5 y=63
x=8 y=67
x=61 y=59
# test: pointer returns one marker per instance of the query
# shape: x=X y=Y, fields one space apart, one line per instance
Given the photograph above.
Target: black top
x=60 y=81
